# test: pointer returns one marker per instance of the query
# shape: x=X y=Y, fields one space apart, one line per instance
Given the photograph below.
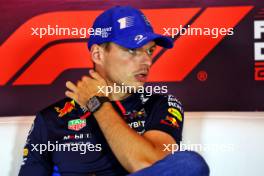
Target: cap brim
x=130 y=42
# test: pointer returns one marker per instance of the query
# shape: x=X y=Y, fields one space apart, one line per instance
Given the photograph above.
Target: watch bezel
x=95 y=103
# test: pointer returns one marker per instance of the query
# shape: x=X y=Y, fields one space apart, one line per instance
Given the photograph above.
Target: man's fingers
x=95 y=75
x=71 y=95
x=85 y=78
x=71 y=86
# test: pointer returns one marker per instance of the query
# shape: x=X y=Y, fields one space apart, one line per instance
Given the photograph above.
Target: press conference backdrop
x=208 y=72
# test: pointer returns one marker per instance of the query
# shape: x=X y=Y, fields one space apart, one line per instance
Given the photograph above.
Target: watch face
x=93 y=104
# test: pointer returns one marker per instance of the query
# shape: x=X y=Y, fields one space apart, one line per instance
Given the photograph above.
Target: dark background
x=230 y=83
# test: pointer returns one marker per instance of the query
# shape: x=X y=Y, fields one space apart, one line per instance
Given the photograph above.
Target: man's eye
x=150 y=51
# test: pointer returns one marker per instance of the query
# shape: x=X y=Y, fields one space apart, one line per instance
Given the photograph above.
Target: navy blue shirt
x=65 y=140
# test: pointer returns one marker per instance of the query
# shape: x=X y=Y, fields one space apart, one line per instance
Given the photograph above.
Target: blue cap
x=127 y=27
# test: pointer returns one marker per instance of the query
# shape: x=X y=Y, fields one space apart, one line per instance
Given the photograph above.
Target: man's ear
x=97 y=54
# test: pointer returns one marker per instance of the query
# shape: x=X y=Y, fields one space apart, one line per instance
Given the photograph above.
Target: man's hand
x=85 y=88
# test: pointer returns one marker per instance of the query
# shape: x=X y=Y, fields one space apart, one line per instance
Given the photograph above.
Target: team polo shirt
x=65 y=140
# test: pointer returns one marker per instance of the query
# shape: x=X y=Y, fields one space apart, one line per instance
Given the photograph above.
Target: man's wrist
x=104 y=110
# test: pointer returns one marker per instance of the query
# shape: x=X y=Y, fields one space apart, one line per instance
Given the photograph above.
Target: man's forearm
x=133 y=151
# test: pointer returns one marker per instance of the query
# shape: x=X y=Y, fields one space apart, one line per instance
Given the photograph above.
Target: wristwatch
x=94 y=103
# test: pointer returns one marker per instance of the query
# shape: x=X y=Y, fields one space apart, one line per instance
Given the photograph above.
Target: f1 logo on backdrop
x=30 y=60
x=258 y=49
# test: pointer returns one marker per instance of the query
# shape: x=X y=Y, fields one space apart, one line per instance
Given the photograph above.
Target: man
x=122 y=132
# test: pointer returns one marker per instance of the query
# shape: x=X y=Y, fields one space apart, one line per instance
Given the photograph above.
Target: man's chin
x=135 y=85
x=138 y=84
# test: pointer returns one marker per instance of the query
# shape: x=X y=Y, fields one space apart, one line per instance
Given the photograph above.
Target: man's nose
x=146 y=59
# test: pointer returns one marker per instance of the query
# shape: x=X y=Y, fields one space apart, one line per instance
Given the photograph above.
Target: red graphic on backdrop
x=178 y=62
x=259 y=71
x=202 y=76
